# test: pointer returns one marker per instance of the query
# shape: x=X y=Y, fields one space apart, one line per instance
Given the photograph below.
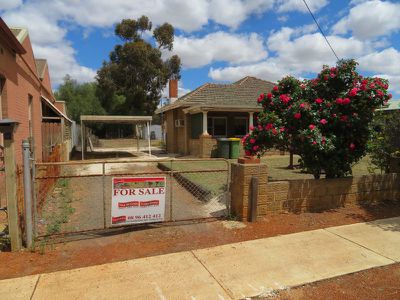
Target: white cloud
x=298 y=5
x=370 y=19
x=9 y=4
x=294 y=55
x=386 y=61
x=219 y=46
x=233 y=12
x=270 y=70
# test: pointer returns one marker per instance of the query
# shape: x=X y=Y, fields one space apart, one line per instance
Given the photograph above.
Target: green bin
x=235 y=148
x=223 y=147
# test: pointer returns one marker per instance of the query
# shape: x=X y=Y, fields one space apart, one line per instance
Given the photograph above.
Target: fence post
x=11 y=189
x=27 y=193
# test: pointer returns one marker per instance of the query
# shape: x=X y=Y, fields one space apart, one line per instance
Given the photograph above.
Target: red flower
x=314 y=142
x=302 y=105
x=339 y=101
x=269 y=96
x=390 y=96
x=260 y=98
x=312 y=126
x=319 y=100
x=346 y=101
x=344 y=118
x=275 y=88
x=252 y=141
x=284 y=98
x=255 y=148
x=282 y=129
x=247 y=152
x=297 y=115
x=353 y=92
x=352 y=146
x=269 y=126
x=380 y=93
x=323 y=121
x=251 y=127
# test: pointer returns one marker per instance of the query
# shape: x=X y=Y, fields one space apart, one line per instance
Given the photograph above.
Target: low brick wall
x=308 y=195
x=322 y=194
x=194 y=147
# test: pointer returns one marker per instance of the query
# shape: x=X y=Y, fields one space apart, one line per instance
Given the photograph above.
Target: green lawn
x=215 y=182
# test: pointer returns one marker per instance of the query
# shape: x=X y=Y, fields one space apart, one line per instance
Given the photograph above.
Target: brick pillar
x=207 y=145
x=240 y=187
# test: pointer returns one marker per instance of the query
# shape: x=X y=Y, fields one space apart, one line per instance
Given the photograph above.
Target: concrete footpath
x=233 y=271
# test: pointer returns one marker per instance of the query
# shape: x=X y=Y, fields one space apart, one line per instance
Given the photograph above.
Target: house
x=195 y=121
x=26 y=97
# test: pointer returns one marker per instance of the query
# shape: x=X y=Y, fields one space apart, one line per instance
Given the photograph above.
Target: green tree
x=80 y=99
x=130 y=83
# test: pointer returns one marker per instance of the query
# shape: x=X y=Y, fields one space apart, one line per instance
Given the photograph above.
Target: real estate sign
x=137 y=200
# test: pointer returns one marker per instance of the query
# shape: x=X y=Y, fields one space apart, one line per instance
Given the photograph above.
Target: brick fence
x=306 y=195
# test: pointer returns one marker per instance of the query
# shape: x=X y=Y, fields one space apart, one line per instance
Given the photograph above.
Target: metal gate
x=76 y=196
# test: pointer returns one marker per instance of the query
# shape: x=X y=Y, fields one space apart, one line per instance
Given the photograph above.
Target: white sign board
x=137 y=200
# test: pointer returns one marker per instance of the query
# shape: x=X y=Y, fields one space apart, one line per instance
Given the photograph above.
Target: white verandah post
x=205 y=132
x=251 y=121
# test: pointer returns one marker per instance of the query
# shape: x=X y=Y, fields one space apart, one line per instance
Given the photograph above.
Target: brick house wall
x=21 y=83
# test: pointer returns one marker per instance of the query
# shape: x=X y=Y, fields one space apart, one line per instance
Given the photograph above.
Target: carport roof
x=115 y=119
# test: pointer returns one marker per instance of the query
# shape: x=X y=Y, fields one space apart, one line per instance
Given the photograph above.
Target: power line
x=320 y=29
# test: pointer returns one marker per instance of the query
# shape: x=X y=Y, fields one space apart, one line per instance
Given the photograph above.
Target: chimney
x=173 y=90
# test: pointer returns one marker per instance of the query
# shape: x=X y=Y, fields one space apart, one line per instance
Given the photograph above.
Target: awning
x=54 y=109
x=220 y=108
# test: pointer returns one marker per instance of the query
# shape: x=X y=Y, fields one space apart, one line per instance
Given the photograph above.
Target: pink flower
x=353 y=92
x=323 y=121
x=319 y=100
x=255 y=148
x=352 y=146
x=312 y=126
x=275 y=88
x=251 y=127
x=282 y=129
x=259 y=127
x=302 y=86
x=333 y=70
x=339 y=101
x=334 y=115
x=344 y=118
x=390 y=96
x=297 y=115
x=247 y=152
x=380 y=93
x=269 y=96
x=274 y=132
x=314 y=142
x=326 y=77
x=252 y=141
x=302 y=105
x=323 y=141
x=346 y=101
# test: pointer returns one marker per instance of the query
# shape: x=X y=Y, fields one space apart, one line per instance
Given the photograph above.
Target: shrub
x=325 y=120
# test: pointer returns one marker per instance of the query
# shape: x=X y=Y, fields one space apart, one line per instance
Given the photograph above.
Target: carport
x=134 y=120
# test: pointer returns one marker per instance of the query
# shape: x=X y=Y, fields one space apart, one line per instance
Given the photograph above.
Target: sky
x=219 y=40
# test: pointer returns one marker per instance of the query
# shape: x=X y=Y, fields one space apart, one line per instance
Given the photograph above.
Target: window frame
x=212 y=126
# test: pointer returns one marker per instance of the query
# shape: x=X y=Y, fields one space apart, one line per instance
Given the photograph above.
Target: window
x=241 y=126
x=216 y=126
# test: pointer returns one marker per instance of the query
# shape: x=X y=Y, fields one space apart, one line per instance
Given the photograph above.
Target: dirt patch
x=378 y=284
x=153 y=240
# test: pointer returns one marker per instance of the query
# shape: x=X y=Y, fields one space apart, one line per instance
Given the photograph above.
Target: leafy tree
x=80 y=99
x=130 y=83
x=385 y=139
x=326 y=119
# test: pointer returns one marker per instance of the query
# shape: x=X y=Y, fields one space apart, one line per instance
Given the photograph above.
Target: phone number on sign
x=145 y=217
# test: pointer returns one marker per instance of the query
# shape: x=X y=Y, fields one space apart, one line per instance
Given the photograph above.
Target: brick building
x=26 y=96
x=194 y=121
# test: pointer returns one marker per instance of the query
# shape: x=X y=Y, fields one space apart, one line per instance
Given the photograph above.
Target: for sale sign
x=137 y=200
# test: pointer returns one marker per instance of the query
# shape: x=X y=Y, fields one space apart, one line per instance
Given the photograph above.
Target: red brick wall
x=21 y=81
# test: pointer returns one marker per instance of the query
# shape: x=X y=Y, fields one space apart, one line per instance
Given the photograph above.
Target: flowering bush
x=325 y=120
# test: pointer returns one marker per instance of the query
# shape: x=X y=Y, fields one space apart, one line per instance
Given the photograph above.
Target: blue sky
x=219 y=40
